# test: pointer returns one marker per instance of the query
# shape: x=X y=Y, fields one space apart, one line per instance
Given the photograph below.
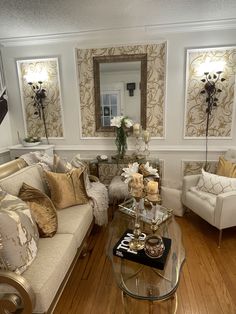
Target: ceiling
x=27 y=18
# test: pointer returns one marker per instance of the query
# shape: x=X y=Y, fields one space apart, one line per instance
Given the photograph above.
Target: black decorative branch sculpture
x=211 y=91
x=39 y=104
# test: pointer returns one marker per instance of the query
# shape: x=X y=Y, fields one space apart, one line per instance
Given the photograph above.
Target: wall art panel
x=53 y=107
x=190 y=167
x=156 y=76
x=220 y=124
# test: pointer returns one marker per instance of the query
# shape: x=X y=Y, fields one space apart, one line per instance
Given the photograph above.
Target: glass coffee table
x=144 y=282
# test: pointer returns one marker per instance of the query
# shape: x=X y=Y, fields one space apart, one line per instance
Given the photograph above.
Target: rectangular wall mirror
x=120 y=83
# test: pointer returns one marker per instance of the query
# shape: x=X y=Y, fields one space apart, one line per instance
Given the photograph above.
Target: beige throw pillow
x=215 y=184
x=42 y=210
x=18 y=234
x=67 y=189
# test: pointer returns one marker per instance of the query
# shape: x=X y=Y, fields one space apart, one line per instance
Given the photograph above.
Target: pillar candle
x=137 y=185
x=136 y=129
x=152 y=187
x=146 y=136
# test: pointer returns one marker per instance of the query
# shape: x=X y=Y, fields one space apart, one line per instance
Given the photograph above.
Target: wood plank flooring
x=207 y=284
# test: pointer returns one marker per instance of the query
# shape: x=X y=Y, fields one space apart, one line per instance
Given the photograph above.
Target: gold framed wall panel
x=156 y=86
x=220 y=125
x=53 y=113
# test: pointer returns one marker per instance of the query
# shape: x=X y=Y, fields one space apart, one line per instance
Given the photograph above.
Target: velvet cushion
x=226 y=168
x=67 y=189
x=18 y=234
x=215 y=184
x=42 y=210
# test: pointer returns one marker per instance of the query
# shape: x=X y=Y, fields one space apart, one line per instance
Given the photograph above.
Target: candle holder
x=154 y=246
x=136 y=244
x=146 y=139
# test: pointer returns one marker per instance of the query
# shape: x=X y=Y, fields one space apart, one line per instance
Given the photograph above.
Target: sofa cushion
x=42 y=210
x=32 y=175
x=215 y=184
x=48 y=270
x=67 y=189
x=18 y=234
x=75 y=220
x=226 y=168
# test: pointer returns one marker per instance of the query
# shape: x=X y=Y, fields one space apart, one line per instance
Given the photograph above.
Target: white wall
x=174 y=148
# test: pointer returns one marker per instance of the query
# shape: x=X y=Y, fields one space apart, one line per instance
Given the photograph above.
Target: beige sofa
x=41 y=284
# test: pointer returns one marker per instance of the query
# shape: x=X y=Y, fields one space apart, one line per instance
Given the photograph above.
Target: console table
x=17 y=150
x=107 y=170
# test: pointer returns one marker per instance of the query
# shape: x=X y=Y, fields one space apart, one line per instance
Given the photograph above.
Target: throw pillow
x=67 y=189
x=215 y=184
x=59 y=165
x=42 y=210
x=18 y=234
x=226 y=168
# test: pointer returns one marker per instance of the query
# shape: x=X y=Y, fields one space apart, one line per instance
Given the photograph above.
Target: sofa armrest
x=23 y=299
x=225 y=210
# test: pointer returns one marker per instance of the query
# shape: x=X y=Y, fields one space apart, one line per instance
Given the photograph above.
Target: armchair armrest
x=23 y=299
x=225 y=210
x=188 y=182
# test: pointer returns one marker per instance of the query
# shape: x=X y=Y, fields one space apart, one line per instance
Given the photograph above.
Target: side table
x=17 y=150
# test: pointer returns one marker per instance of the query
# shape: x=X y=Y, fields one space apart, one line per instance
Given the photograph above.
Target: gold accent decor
x=156 y=74
x=53 y=108
x=220 y=124
x=25 y=297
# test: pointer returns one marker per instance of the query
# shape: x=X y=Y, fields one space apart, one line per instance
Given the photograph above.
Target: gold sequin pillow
x=67 y=189
x=42 y=210
x=226 y=168
x=18 y=234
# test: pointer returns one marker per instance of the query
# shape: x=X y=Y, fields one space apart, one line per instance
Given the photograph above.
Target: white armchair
x=218 y=210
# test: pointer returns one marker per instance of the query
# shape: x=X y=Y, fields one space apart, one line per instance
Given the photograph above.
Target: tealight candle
x=152 y=187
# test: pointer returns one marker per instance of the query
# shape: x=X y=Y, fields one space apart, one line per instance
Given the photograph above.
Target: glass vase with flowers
x=121 y=125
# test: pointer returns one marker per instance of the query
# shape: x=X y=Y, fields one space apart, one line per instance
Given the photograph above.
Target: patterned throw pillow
x=226 y=168
x=215 y=184
x=67 y=189
x=18 y=234
x=42 y=210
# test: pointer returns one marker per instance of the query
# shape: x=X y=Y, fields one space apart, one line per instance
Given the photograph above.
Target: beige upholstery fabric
x=31 y=175
x=75 y=220
x=18 y=234
x=42 y=210
x=49 y=268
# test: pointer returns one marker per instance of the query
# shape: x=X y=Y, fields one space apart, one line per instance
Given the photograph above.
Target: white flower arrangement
x=135 y=168
x=120 y=121
x=128 y=172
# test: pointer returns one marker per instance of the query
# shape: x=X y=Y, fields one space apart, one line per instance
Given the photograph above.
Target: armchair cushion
x=226 y=168
x=215 y=184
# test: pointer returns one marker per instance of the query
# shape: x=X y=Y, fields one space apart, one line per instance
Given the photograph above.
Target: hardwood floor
x=207 y=283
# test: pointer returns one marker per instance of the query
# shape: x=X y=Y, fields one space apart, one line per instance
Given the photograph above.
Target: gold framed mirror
x=109 y=101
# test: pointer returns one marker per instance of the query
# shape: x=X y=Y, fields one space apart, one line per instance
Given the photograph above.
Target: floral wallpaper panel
x=156 y=75
x=53 y=108
x=220 y=124
x=191 y=167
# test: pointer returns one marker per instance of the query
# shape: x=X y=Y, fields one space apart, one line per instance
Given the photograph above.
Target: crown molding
x=108 y=34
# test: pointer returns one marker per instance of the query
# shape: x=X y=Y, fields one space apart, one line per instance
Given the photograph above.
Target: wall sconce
x=36 y=80
x=211 y=90
x=131 y=88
